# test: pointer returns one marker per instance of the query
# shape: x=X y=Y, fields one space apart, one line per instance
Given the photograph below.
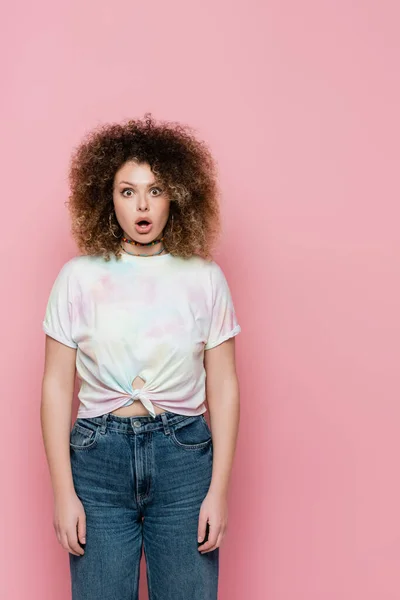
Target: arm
x=222 y=391
x=55 y=414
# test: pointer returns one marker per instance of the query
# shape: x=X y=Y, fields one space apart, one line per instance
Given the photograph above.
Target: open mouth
x=143 y=226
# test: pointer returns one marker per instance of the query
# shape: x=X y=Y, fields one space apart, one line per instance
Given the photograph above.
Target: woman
x=145 y=319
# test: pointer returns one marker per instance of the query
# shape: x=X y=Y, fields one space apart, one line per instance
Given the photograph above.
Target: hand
x=214 y=510
x=69 y=523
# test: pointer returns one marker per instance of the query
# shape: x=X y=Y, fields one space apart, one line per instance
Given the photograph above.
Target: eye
x=157 y=188
x=127 y=190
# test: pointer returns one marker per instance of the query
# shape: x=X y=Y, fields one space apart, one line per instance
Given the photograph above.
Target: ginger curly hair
x=182 y=163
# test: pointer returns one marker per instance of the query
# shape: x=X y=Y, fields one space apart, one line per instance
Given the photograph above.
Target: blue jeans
x=141 y=481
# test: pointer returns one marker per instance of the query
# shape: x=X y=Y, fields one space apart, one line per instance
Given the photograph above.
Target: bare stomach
x=136 y=409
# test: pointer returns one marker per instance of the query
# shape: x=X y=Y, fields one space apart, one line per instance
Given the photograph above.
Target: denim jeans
x=141 y=481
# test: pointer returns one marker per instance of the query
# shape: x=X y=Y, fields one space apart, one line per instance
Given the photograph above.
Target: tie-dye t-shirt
x=151 y=317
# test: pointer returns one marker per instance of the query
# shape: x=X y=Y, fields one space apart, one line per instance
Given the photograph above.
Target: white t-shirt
x=151 y=317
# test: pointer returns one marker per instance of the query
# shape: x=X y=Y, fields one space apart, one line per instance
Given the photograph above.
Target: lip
x=145 y=229
x=143 y=219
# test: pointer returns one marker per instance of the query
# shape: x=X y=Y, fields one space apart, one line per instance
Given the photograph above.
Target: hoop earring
x=111 y=227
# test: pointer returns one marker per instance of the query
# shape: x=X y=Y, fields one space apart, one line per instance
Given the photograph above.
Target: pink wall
x=300 y=103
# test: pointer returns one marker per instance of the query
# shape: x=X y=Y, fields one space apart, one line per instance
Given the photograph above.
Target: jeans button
x=136 y=423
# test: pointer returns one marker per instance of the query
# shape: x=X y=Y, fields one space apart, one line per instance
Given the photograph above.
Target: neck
x=155 y=247
x=153 y=252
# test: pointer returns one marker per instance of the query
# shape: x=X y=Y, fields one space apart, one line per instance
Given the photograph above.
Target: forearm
x=55 y=414
x=224 y=409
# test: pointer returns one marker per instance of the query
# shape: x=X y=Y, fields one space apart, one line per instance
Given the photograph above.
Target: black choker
x=124 y=239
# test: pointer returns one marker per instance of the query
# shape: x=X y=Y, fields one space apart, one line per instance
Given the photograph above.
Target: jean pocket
x=84 y=434
x=191 y=434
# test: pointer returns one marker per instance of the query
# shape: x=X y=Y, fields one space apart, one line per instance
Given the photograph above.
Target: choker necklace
x=124 y=239
x=147 y=255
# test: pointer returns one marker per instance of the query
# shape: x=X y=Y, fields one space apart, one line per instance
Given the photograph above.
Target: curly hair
x=182 y=163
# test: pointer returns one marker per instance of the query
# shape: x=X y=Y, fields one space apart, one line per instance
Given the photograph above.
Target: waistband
x=140 y=424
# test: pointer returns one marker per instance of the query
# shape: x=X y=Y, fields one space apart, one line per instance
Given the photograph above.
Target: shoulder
x=74 y=271
x=201 y=264
x=213 y=271
x=209 y=275
x=205 y=270
x=80 y=264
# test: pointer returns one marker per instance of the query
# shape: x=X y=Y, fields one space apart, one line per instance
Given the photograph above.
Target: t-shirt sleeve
x=223 y=321
x=57 y=321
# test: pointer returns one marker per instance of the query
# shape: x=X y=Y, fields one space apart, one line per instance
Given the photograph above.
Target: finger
x=201 y=530
x=58 y=534
x=217 y=543
x=82 y=530
x=212 y=538
x=72 y=539
x=65 y=544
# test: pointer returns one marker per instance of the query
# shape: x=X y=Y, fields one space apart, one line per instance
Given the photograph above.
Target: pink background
x=300 y=104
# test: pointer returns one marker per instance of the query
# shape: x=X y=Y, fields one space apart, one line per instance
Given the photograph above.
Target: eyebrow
x=134 y=185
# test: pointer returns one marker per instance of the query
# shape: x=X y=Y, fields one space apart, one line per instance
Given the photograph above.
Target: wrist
x=62 y=490
x=218 y=489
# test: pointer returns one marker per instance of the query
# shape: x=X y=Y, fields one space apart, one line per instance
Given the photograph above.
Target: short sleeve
x=57 y=321
x=223 y=321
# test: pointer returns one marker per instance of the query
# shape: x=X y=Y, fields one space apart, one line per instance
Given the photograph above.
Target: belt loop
x=164 y=419
x=103 y=426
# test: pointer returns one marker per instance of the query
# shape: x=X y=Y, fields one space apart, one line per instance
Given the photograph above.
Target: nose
x=142 y=202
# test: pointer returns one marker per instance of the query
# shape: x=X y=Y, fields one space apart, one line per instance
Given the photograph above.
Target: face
x=138 y=196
